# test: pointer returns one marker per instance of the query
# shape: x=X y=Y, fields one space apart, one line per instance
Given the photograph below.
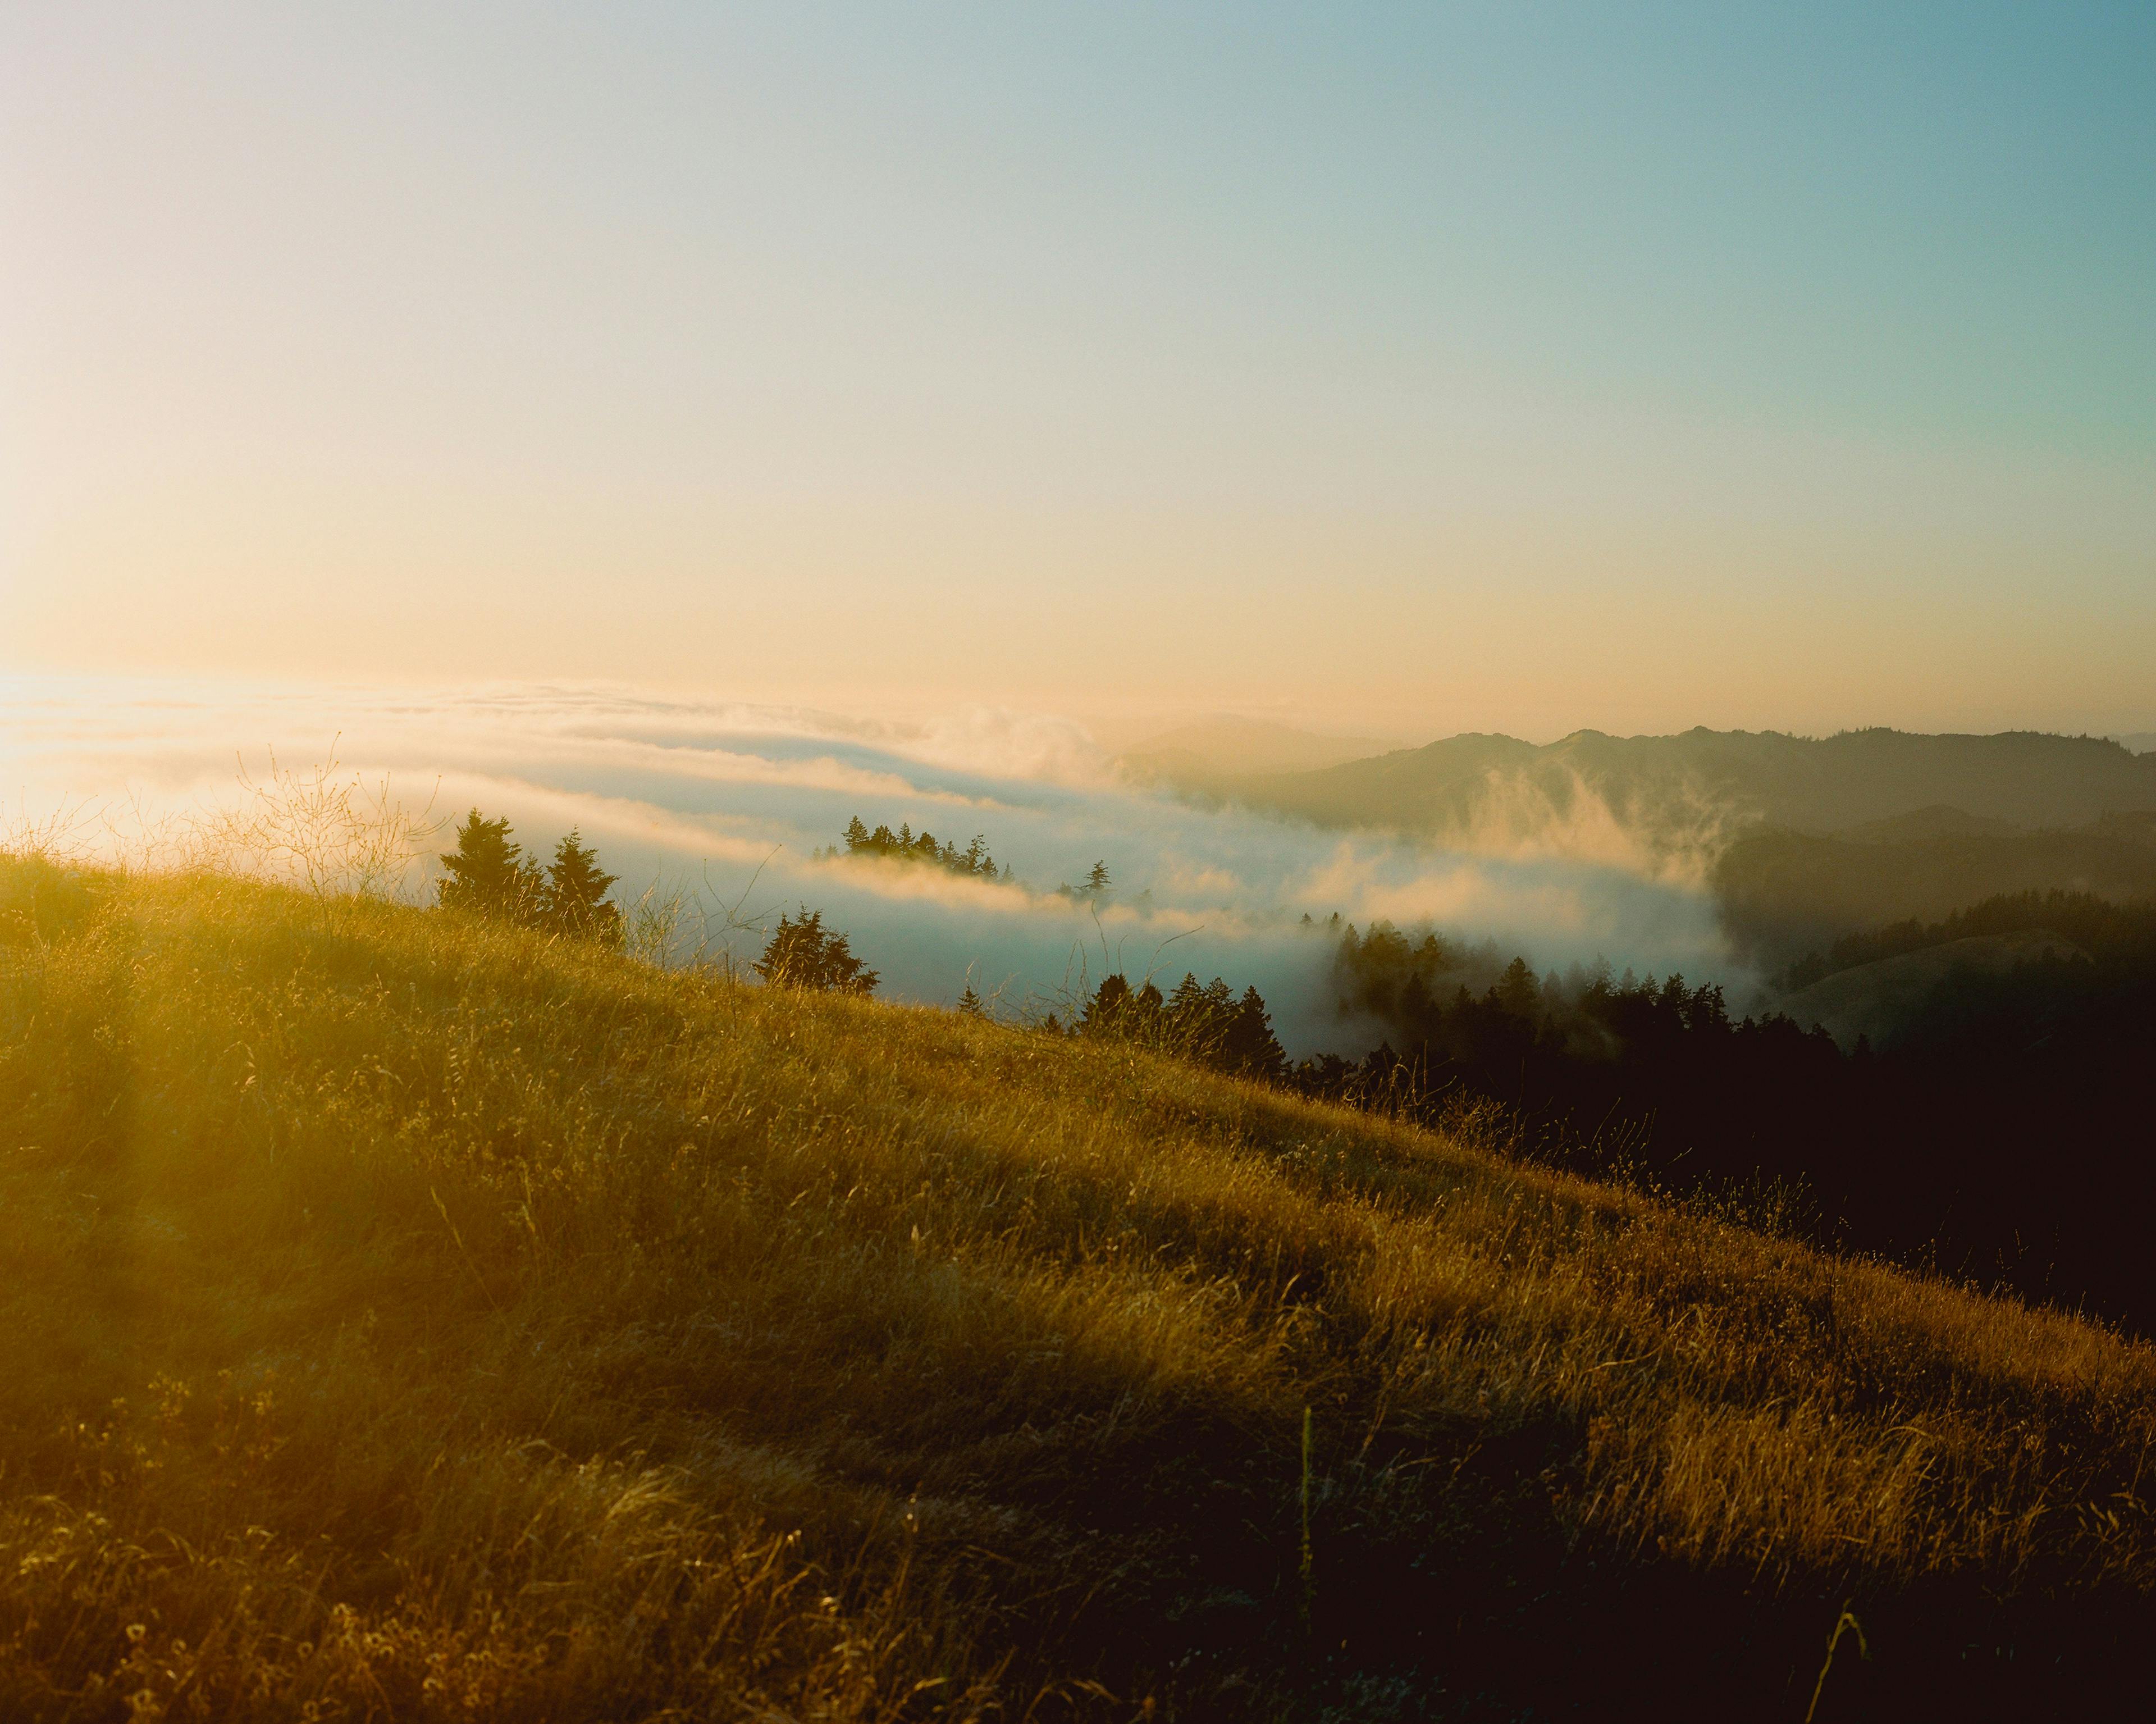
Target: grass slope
x=409 y=1320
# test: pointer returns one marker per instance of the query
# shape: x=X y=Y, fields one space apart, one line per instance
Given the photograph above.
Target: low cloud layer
x=730 y=800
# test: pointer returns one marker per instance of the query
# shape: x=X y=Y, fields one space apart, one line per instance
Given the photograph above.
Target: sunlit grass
x=412 y=1317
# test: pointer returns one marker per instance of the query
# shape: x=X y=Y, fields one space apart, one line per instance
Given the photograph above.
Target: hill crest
x=1701 y=787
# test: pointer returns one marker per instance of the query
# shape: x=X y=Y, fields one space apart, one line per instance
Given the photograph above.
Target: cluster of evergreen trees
x=1205 y=1023
x=974 y=860
x=905 y=845
x=1445 y=1001
x=488 y=874
x=1567 y=1054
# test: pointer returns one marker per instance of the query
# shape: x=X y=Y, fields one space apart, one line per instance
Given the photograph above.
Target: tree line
x=2007 y=1137
x=1206 y=1023
x=905 y=845
x=974 y=862
x=2112 y=934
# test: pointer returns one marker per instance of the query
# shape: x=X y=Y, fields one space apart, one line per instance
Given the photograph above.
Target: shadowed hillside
x=1873 y=1001
x=1781 y=893
x=412 y=1317
x=1701 y=787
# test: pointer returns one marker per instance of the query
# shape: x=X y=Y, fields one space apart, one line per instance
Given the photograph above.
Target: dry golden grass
x=407 y=1319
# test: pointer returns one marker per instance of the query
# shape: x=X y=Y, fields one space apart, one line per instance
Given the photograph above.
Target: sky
x=1405 y=370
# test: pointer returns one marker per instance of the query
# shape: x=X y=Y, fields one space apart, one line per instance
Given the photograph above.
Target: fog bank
x=727 y=801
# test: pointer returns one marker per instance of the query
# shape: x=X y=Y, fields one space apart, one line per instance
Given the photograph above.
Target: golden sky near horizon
x=1408 y=374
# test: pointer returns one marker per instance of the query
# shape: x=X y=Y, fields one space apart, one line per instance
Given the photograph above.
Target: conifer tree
x=488 y=873
x=1105 y=1010
x=577 y=894
x=804 y=954
x=1197 y=1018
x=1518 y=991
x=969 y=1003
x=1252 y=1048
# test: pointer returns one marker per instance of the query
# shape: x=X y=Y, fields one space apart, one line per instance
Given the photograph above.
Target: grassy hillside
x=407 y=1319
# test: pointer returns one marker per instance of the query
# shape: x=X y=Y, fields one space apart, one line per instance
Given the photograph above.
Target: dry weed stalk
x=328 y=834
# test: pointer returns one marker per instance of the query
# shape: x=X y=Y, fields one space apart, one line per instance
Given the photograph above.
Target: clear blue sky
x=1427 y=367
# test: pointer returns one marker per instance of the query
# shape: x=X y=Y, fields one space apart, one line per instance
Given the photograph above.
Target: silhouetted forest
x=1781 y=894
x=2008 y=1138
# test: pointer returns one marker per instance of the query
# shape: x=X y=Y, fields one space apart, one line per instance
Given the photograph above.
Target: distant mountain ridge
x=1704 y=786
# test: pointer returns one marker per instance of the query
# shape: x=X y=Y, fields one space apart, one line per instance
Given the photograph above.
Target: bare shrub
x=328 y=833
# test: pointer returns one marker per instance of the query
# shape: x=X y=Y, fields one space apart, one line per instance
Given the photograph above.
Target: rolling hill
x=409 y=1318
x=1875 y=1001
x=1704 y=786
x=1781 y=893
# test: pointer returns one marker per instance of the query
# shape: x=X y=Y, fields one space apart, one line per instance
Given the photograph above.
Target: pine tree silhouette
x=488 y=874
x=804 y=954
x=577 y=894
